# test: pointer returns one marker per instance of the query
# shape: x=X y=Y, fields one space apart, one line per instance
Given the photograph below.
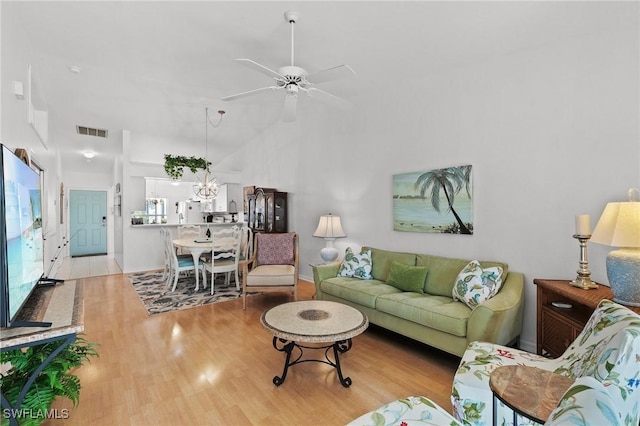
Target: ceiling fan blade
x=334 y=73
x=250 y=93
x=290 y=101
x=327 y=97
x=261 y=68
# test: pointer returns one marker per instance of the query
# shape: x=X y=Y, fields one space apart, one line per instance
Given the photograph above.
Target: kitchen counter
x=160 y=225
x=145 y=243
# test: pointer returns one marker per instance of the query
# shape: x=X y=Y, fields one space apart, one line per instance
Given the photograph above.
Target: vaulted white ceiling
x=153 y=67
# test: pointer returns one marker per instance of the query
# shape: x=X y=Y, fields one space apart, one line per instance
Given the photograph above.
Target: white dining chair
x=225 y=254
x=178 y=263
x=166 y=272
x=188 y=231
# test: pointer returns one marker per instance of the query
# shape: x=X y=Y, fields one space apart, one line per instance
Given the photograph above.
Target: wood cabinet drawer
x=557 y=332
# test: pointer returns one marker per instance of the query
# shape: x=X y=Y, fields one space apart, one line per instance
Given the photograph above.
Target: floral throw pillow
x=275 y=249
x=474 y=285
x=356 y=265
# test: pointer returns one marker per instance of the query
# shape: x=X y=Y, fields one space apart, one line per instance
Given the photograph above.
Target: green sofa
x=432 y=317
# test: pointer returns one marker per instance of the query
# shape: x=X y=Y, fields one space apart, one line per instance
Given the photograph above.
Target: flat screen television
x=21 y=239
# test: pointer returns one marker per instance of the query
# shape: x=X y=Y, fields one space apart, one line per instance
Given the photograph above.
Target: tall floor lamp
x=619 y=226
x=329 y=228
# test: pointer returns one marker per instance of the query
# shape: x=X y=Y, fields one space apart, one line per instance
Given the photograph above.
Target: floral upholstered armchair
x=607 y=350
x=586 y=402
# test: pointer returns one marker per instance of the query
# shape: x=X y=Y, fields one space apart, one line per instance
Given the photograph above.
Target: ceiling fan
x=293 y=79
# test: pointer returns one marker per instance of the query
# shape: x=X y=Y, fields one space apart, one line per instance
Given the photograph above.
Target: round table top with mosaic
x=314 y=321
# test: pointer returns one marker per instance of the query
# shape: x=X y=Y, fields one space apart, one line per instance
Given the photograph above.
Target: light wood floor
x=215 y=364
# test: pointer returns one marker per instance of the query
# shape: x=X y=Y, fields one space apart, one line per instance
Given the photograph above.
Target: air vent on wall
x=90 y=131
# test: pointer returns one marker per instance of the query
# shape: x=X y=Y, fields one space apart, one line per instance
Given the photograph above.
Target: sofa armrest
x=322 y=272
x=499 y=319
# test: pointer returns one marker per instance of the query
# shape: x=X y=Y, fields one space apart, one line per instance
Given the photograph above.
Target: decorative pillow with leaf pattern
x=356 y=265
x=474 y=285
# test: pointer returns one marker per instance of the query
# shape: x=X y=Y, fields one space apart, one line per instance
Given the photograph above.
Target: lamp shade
x=619 y=225
x=329 y=226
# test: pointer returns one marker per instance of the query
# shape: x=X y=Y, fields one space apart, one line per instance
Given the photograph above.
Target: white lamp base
x=623 y=271
x=329 y=253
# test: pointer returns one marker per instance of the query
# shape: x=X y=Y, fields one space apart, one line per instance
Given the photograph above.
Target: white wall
x=118 y=221
x=16 y=132
x=551 y=133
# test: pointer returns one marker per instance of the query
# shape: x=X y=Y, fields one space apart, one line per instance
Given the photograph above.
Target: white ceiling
x=153 y=67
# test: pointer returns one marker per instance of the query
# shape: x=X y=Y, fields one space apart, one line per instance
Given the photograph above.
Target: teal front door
x=88 y=223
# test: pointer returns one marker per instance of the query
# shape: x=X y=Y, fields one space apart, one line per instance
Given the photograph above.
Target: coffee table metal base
x=287 y=346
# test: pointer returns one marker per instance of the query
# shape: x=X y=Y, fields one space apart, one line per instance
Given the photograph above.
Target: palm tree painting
x=439 y=201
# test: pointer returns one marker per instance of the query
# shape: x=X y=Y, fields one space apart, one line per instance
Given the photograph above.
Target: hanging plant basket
x=174 y=165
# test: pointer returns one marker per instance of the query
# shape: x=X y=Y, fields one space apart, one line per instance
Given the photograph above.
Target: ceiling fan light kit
x=294 y=79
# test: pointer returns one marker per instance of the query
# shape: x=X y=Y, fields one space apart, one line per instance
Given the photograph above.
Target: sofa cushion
x=356 y=265
x=443 y=272
x=363 y=292
x=407 y=278
x=437 y=312
x=476 y=284
x=381 y=262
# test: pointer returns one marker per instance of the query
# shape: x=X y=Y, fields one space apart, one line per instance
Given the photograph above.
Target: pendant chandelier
x=207 y=187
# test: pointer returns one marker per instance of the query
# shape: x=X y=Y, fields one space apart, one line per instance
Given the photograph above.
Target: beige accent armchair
x=273 y=266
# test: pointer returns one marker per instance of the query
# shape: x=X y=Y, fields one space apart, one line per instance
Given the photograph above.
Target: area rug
x=158 y=298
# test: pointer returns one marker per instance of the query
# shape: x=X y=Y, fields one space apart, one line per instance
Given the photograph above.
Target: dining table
x=195 y=246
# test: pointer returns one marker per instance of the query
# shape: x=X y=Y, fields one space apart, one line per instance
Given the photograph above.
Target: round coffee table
x=313 y=321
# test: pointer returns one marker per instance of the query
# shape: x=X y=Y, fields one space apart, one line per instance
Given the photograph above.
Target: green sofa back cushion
x=381 y=262
x=443 y=272
x=407 y=278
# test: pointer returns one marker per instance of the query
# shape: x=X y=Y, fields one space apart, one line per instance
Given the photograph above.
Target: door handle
x=104 y=220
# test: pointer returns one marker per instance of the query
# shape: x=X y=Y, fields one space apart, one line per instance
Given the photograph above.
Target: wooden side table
x=557 y=327
x=529 y=391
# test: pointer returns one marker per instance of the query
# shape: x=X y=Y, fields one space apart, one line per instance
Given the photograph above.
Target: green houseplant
x=174 y=164
x=55 y=380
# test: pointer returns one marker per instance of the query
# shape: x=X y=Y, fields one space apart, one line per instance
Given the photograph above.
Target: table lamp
x=329 y=228
x=619 y=226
